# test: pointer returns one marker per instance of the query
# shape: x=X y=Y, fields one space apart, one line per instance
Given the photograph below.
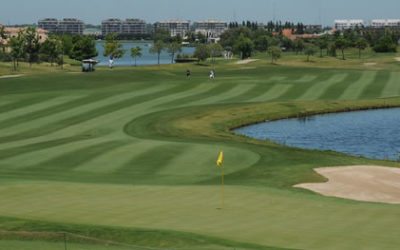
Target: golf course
x=125 y=158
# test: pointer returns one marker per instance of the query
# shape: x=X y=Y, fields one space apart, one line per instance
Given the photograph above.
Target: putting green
x=253 y=215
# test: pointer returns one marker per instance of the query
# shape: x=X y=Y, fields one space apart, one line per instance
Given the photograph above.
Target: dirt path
x=361 y=183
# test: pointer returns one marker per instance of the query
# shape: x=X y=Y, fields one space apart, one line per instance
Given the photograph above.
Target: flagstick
x=222 y=188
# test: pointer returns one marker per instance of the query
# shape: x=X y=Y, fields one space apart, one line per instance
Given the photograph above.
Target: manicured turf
x=136 y=148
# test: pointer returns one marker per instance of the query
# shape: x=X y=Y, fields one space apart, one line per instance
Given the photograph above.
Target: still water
x=373 y=134
x=146 y=59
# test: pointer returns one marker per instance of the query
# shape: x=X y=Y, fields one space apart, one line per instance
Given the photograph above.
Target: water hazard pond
x=373 y=134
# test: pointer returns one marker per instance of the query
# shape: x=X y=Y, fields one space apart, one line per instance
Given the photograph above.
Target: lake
x=146 y=59
x=373 y=134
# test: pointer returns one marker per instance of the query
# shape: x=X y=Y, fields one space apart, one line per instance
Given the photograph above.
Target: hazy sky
x=93 y=11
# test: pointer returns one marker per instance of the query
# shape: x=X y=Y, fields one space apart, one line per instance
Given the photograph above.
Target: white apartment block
x=66 y=25
x=383 y=23
x=212 y=29
x=134 y=27
x=110 y=26
x=175 y=27
x=349 y=24
x=71 y=26
x=127 y=27
x=49 y=24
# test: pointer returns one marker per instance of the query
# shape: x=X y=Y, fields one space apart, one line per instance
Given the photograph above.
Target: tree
x=174 y=48
x=83 y=48
x=261 y=43
x=157 y=48
x=17 y=49
x=32 y=46
x=342 y=44
x=244 y=46
x=299 y=45
x=201 y=38
x=52 y=49
x=136 y=52
x=310 y=50
x=3 y=38
x=287 y=43
x=162 y=35
x=202 y=52
x=385 y=44
x=215 y=50
x=67 y=43
x=332 y=49
x=230 y=37
x=112 y=47
x=322 y=44
x=275 y=53
x=361 y=44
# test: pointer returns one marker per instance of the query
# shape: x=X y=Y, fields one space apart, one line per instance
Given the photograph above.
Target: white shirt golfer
x=111 y=63
x=212 y=75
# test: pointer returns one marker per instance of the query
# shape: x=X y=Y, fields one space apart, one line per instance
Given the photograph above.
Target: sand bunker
x=370 y=64
x=397 y=59
x=247 y=61
x=361 y=183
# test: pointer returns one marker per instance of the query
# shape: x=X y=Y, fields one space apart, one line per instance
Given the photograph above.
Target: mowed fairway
x=102 y=149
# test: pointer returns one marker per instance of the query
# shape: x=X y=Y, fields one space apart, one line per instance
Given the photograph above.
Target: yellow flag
x=220 y=159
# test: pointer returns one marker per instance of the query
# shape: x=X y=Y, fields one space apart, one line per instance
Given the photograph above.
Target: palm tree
x=136 y=52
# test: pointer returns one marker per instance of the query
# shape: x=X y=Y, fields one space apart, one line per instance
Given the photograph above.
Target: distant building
x=134 y=27
x=49 y=24
x=212 y=29
x=385 y=23
x=71 y=26
x=127 y=27
x=112 y=25
x=349 y=24
x=288 y=33
x=313 y=28
x=175 y=27
x=14 y=31
x=92 y=31
x=67 y=25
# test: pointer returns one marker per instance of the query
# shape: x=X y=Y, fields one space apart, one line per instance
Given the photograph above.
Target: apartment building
x=134 y=27
x=212 y=29
x=67 y=25
x=49 y=24
x=175 y=27
x=385 y=23
x=110 y=26
x=127 y=27
x=349 y=24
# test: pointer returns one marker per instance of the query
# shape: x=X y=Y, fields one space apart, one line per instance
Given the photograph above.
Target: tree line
x=27 y=47
x=245 y=41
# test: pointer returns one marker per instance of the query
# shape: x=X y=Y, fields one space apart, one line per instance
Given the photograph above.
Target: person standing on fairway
x=212 y=74
x=111 y=62
x=188 y=73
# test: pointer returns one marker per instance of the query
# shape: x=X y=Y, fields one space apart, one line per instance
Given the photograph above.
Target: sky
x=94 y=11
